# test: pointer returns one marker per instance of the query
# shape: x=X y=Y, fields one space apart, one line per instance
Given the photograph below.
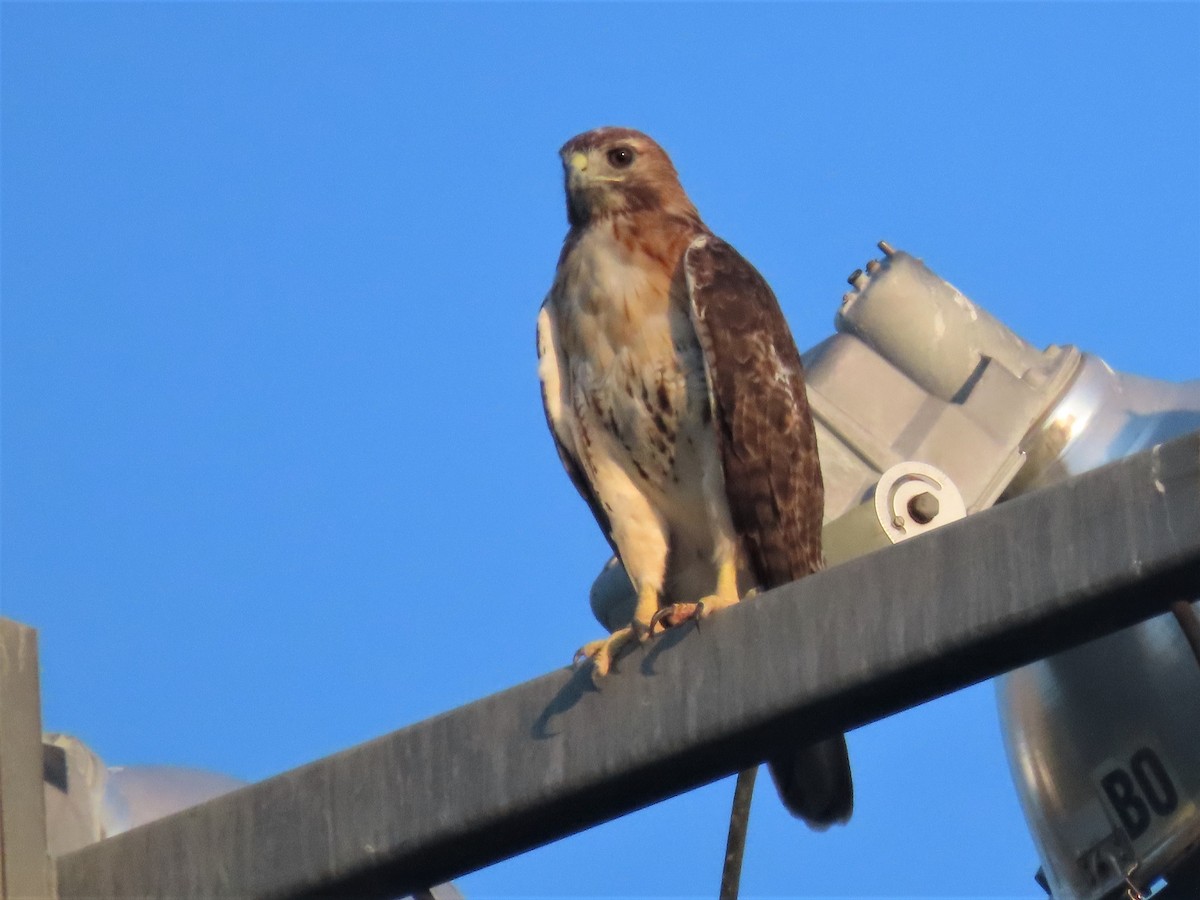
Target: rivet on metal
x=924 y=508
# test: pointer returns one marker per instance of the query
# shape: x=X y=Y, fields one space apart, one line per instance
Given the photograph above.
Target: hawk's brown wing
x=773 y=483
x=760 y=410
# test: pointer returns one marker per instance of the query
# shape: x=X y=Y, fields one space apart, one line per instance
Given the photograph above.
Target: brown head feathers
x=615 y=171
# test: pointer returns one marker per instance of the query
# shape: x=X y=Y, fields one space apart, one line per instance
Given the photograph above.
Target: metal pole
x=25 y=870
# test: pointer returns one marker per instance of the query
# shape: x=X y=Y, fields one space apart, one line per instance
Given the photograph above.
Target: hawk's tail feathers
x=814 y=782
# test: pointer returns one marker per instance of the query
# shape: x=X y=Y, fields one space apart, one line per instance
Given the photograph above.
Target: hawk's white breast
x=635 y=396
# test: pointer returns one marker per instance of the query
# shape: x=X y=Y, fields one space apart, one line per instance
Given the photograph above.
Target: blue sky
x=275 y=474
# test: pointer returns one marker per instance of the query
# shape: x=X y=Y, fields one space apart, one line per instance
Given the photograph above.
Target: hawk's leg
x=678 y=613
x=602 y=652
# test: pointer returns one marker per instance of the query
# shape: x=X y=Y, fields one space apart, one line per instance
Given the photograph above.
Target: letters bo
x=1140 y=791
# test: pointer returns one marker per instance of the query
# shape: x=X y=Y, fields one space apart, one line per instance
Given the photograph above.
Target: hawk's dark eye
x=620 y=157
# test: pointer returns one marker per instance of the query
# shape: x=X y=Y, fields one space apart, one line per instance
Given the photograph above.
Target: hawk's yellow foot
x=678 y=613
x=604 y=651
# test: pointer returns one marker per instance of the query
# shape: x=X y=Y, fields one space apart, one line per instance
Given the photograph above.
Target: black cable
x=735 y=844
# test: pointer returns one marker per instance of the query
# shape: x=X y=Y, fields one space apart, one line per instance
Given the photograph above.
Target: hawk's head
x=611 y=171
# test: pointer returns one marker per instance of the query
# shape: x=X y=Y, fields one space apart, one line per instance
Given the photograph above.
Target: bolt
x=854 y=277
x=924 y=508
x=873 y=267
x=886 y=247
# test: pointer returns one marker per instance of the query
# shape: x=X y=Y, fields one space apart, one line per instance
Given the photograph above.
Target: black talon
x=656 y=619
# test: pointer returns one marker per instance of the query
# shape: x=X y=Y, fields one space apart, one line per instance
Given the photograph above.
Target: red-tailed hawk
x=676 y=398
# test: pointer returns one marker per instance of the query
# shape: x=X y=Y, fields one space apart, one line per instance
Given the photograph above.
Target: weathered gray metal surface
x=555 y=755
x=24 y=866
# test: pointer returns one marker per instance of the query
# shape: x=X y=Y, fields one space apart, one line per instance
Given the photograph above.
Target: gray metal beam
x=25 y=870
x=555 y=755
